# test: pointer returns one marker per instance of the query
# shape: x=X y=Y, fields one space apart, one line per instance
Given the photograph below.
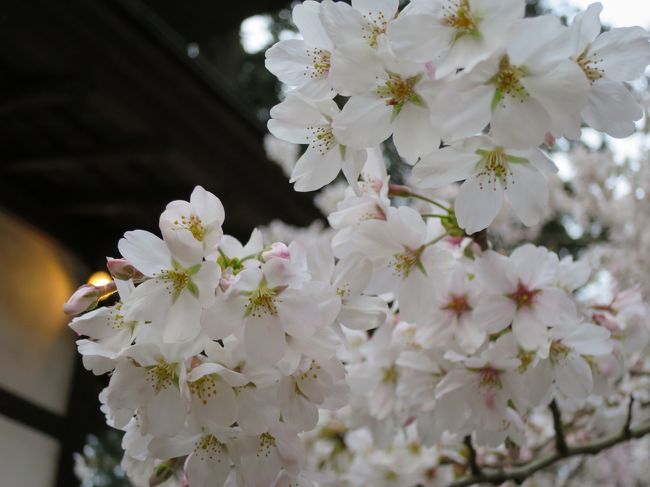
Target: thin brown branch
x=472 y=462
x=560 y=440
x=519 y=474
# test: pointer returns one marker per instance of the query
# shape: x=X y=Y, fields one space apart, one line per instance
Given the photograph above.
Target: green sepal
x=496 y=99
x=191 y=287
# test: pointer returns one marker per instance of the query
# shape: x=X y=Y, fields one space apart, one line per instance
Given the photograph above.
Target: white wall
x=36 y=348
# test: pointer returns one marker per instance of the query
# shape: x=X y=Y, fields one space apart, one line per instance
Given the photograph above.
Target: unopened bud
x=549 y=139
x=278 y=250
x=162 y=472
x=87 y=297
x=122 y=269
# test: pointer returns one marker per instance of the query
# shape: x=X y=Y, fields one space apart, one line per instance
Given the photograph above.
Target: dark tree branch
x=560 y=440
x=519 y=474
x=472 y=463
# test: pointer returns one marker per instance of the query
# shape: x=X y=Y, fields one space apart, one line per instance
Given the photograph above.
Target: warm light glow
x=100 y=278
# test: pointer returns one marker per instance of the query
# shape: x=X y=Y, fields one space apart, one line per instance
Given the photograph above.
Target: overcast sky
x=616 y=13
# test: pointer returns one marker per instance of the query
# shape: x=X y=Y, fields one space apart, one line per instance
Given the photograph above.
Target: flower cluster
x=220 y=353
x=440 y=72
x=398 y=345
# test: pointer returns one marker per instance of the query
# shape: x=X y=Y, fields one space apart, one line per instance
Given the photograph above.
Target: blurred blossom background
x=110 y=109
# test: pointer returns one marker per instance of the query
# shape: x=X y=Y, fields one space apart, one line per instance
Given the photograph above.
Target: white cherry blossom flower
x=608 y=60
x=176 y=290
x=365 y=22
x=304 y=63
x=389 y=97
x=525 y=91
x=491 y=173
x=403 y=257
x=303 y=121
x=518 y=291
x=192 y=229
x=453 y=34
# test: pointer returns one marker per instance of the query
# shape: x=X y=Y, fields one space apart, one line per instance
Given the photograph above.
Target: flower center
x=261 y=302
x=204 y=388
x=176 y=280
x=524 y=296
x=489 y=377
x=322 y=138
x=508 y=82
x=458 y=305
x=558 y=351
x=390 y=375
x=161 y=376
x=398 y=91
x=495 y=168
x=192 y=223
x=208 y=447
x=266 y=444
x=589 y=66
x=403 y=263
x=457 y=15
x=374 y=26
x=312 y=372
x=320 y=64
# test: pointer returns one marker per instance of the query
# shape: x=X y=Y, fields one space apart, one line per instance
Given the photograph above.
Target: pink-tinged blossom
x=518 y=291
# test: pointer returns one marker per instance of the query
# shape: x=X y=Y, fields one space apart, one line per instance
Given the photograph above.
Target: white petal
x=306 y=16
x=355 y=68
x=530 y=333
x=413 y=133
x=288 y=60
x=520 y=124
x=208 y=464
x=563 y=92
x=315 y=169
x=387 y=7
x=363 y=313
x=415 y=37
x=443 y=167
x=352 y=274
x=298 y=314
x=183 y=319
x=264 y=340
x=147 y=252
x=612 y=108
x=527 y=193
x=573 y=376
x=477 y=204
x=623 y=53
x=585 y=28
x=496 y=314
x=364 y=122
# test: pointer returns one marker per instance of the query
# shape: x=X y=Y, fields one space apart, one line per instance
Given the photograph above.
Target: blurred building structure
x=108 y=110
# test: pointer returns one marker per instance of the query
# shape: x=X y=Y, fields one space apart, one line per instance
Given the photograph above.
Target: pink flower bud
x=549 y=139
x=122 y=269
x=83 y=299
x=278 y=251
x=86 y=298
